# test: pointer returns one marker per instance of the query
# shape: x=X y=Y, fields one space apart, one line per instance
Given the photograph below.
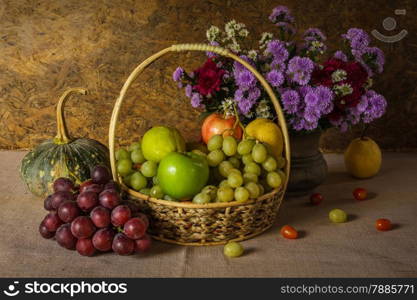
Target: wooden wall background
x=48 y=45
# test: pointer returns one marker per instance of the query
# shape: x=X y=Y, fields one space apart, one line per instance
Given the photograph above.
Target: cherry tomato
x=289 y=232
x=360 y=194
x=316 y=198
x=383 y=224
x=216 y=124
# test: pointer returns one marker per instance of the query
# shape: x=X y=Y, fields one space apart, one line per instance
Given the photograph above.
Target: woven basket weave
x=187 y=223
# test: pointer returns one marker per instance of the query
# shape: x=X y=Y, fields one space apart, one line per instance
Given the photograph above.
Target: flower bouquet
x=315 y=92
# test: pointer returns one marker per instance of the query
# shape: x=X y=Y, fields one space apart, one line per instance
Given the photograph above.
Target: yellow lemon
x=363 y=158
x=267 y=132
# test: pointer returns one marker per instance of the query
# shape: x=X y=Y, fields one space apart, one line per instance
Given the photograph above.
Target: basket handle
x=195 y=47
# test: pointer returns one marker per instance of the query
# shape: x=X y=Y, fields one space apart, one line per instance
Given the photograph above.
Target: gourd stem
x=62 y=136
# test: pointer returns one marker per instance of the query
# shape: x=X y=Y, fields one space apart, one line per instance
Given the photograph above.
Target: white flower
x=244 y=32
x=235 y=47
x=265 y=38
x=252 y=54
x=263 y=110
x=343 y=89
x=230 y=28
x=212 y=33
x=227 y=106
x=339 y=75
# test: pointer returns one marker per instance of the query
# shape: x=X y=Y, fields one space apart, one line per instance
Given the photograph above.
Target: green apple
x=183 y=175
x=159 y=141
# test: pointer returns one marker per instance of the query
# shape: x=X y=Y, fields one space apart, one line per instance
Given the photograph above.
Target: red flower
x=209 y=78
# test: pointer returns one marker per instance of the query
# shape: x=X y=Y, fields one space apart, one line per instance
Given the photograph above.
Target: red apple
x=217 y=124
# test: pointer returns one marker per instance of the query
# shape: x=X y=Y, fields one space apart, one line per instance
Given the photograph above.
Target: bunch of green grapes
x=137 y=172
x=239 y=171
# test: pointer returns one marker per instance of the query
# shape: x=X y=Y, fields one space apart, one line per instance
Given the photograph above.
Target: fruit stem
x=365 y=129
x=62 y=136
x=237 y=122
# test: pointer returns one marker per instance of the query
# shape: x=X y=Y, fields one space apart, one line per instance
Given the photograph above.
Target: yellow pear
x=363 y=158
x=267 y=132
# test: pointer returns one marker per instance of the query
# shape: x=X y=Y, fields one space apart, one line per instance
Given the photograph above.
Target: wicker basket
x=187 y=223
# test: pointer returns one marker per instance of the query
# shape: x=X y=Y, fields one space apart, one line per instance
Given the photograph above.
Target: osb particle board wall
x=47 y=46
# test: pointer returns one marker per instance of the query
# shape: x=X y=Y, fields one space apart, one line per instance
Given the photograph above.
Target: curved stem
x=238 y=122
x=62 y=133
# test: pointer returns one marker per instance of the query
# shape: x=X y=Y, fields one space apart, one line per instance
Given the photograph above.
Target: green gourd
x=62 y=156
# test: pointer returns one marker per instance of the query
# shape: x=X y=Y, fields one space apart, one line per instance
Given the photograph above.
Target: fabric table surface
x=352 y=249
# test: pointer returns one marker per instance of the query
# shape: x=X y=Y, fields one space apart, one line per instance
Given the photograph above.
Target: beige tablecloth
x=352 y=249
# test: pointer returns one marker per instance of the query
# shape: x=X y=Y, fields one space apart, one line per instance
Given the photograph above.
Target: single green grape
x=281 y=162
x=137 y=156
x=235 y=162
x=282 y=175
x=253 y=189
x=225 y=194
x=199 y=152
x=229 y=146
x=124 y=166
x=234 y=170
x=224 y=183
x=247 y=159
x=259 y=153
x=245 y=146
x=135 y=146
x=337 y=216
x=215 y=142
x=169 y=198
x=225 y=167
x=214 y=158
x=241 y=194
x=233 y=249
x=155 y=180
x=126 y=180
x=210 y=190
x=156 y=192
x=145 y=191
x=270 y=164
x=273 y=179
x=201 y=198
x=253 y=168
x=261 y=189
x=122 y=154
x=235 y=180
x=149 y=168
x=138 y=181
x=250 y=177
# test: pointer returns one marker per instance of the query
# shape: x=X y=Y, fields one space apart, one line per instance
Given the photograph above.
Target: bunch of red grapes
x=93 y=218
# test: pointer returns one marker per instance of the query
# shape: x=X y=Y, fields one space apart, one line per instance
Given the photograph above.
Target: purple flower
x=374 y=58
x=196 y=100
x=286 y=27
x=278 y=50
x=290 y=100
x=246 y=99
x=300 y=69
x=275 y=78
x=314 y=34
x=279 y=66
x=311 y=99
x=281 y=13
x=188 y=90
x=340 y=55
x=304 y=90
x=325 y=96
x=376 y=107
x=245 y=79
x=358 y=38
x=178 y=73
